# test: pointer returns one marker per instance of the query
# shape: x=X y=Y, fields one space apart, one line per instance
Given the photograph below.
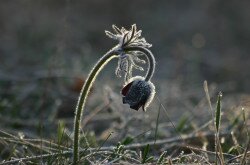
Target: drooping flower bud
x=138 y=93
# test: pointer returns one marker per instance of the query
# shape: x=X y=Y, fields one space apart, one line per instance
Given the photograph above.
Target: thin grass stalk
x=217 y=126
x=216 y=137
x=243 y=160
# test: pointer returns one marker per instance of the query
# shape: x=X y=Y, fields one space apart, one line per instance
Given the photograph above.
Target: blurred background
x=48 y=47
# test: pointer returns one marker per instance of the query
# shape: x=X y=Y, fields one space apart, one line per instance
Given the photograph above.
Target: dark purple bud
x=138 y=93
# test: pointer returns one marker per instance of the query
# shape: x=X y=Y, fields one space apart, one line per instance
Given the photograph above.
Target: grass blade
x=145 y=154
x=243 y=160
x=205 y=86
x=217 y=125
x=218 y=112
x=161 y=158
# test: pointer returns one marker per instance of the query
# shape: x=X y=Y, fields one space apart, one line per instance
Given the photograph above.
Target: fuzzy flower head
x=138 y=93
x=128 y=60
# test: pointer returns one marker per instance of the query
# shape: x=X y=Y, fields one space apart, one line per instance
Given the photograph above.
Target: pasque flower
x=138 y=93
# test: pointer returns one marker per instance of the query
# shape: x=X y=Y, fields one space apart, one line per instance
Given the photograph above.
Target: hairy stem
x=150 y=58
x=83 y=96
x=89 y=82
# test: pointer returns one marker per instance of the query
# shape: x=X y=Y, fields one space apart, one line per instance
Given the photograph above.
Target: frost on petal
x=138 y=93
x=125 y=89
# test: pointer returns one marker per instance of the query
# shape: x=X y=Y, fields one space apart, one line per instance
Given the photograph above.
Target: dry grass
x=115 y=134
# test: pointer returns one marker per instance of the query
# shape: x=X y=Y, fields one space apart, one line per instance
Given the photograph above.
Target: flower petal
x=138 y=93
x=126 y=88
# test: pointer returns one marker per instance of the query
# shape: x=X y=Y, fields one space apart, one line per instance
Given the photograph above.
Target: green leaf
x=218 y=112
x=127 y=140
x=60 y=131
x=149 y=159
x=145 y=154
x=182 y=123
x=244 y=115
x=159 y=161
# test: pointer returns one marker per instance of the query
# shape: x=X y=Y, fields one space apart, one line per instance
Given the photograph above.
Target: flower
x=138 y=93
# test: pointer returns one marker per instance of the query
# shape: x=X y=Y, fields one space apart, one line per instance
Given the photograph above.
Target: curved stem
x=150 y=58
x=83 y=96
